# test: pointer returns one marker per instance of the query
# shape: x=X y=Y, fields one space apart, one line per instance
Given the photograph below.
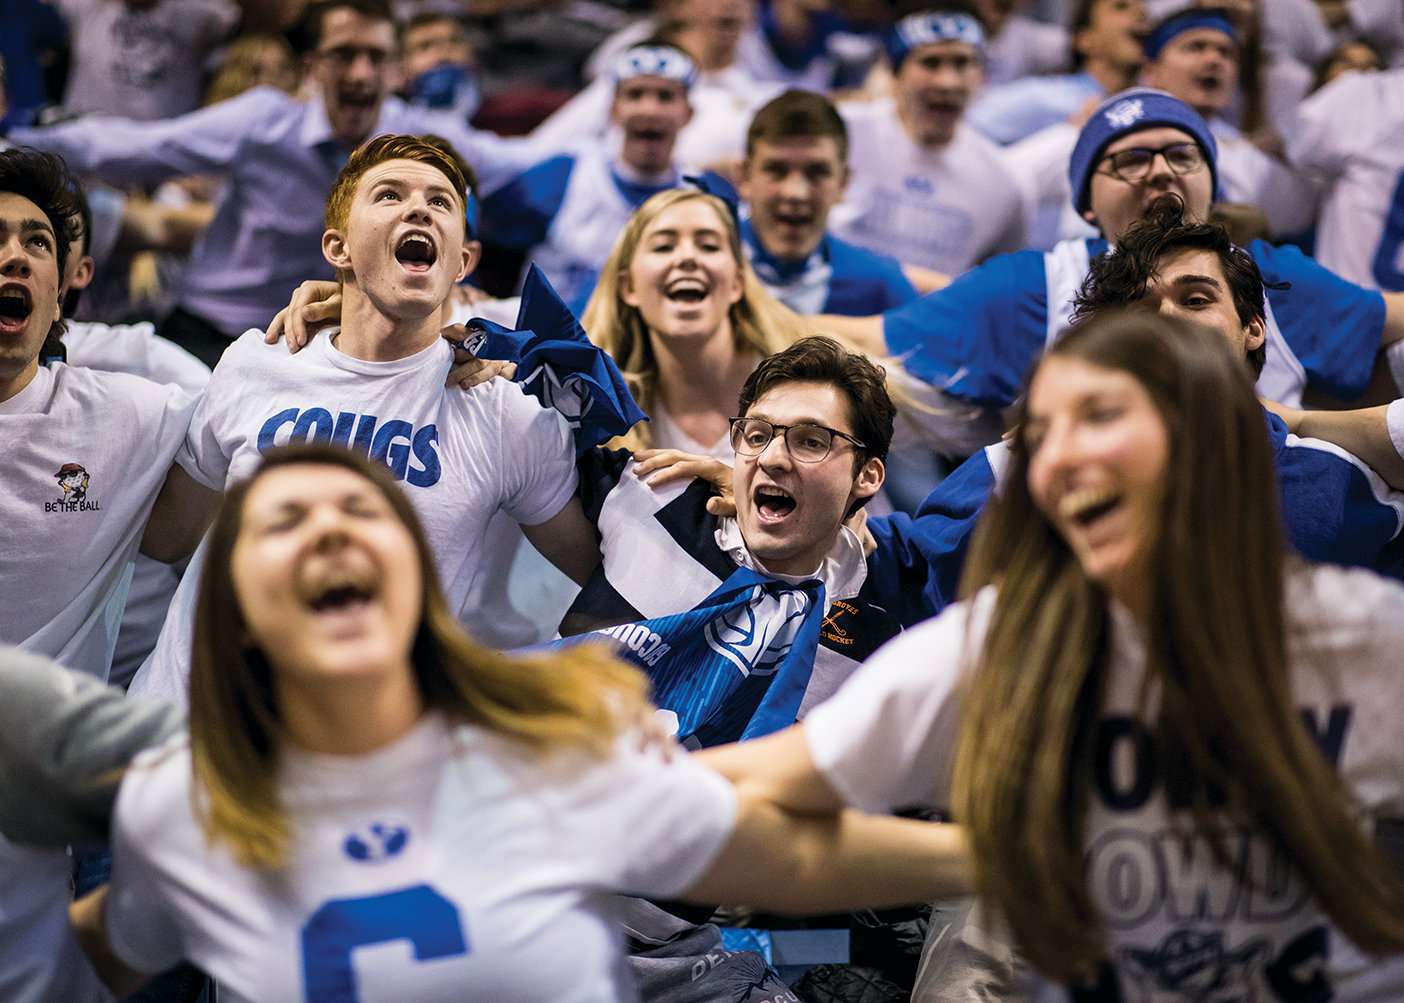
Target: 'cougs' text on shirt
x=390 y=442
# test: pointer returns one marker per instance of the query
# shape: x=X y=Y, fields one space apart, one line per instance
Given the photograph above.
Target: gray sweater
x=65 y=739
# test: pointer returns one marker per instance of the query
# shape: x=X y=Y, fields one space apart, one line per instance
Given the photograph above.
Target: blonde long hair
x=759 y=322
x=577 y=698
x=1216 y=653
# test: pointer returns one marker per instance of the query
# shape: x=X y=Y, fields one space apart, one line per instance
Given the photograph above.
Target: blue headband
x=1179 y=24
x=1132 y=111
x=654 y=61
x=916 y=30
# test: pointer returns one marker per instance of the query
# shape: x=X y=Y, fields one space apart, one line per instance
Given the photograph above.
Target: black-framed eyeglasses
x=1134 y=164
x=806 y=443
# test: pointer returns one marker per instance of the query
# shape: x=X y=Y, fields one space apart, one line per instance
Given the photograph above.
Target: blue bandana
x=1132 y=111
x=1181 y=23
x=654 y=61
x=917 y=30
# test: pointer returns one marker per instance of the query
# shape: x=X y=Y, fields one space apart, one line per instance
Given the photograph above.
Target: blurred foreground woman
x=369 y=806
x=1170 y=743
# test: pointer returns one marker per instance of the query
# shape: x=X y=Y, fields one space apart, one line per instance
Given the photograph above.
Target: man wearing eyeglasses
x=973 y=340
x=282 y=156
x=811 y=439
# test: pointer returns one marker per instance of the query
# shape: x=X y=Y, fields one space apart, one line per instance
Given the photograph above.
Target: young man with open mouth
x=397 y=235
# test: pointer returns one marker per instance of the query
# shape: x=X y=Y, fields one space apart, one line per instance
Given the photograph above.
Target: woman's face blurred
x=1098 y=458
x=326 y=574
x=683 y=278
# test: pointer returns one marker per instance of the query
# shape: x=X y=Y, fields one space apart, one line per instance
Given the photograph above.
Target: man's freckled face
x=405 y=237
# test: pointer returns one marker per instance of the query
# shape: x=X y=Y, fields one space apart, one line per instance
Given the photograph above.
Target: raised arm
x=121 y=151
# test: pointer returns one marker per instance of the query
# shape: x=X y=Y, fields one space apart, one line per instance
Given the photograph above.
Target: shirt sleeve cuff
x=1394 y=419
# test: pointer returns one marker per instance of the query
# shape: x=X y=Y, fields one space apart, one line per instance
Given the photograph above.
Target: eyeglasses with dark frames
x=806 y=443
x=1134 y=164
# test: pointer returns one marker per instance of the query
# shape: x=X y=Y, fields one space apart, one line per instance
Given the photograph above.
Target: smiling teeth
x=1073 y=504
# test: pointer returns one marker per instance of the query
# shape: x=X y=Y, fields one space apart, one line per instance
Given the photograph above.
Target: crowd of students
x=969 y=435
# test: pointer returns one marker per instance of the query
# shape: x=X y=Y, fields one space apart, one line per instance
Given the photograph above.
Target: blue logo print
x=392 y=443
x=379 y=842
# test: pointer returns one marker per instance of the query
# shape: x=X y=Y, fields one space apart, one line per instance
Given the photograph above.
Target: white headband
x=653 y=61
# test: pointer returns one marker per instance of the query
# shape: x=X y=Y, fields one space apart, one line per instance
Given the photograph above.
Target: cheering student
x=358 y=772
x=1137 y=685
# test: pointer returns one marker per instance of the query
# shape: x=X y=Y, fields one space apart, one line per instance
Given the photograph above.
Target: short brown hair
x=378 y=151
x=795 y=114
x=314 y=21
x=823 y=360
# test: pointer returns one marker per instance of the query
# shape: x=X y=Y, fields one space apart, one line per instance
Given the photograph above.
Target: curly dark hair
x=45 y=180
x=1120 y=276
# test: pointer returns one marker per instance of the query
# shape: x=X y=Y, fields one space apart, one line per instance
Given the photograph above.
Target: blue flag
x=559 y=365
x=735 y=666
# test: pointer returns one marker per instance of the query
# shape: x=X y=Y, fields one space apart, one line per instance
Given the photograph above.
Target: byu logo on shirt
x=569 y=396
x=378 y=841
x=756 y=635
x=1125 y=113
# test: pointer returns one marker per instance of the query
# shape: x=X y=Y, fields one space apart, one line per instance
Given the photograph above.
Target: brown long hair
x=1226 y=707
x=759 y=323
x=579 y=698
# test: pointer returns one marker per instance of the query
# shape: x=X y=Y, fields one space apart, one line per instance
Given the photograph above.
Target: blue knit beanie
x=1132 y=111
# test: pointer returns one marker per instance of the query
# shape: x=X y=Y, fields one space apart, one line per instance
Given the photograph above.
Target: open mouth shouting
x=1086 y=506
x=416 y=252
x=15 y=308
x=773 y=505
x=687 y=290
x=339 y=595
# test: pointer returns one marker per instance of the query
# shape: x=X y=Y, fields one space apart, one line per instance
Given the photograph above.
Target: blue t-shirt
x=977 y=337
x=839 y=277
x=1334 y=509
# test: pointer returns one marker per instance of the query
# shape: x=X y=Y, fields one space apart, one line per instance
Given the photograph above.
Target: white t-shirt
x=888 y=739
x=137 y=349
x=85 y=455
x=41 y=961
x=142 y=64
x=460 y=455
x=945 y=208
x=1350 y=135
x=1249 y=176
x=453 y=864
